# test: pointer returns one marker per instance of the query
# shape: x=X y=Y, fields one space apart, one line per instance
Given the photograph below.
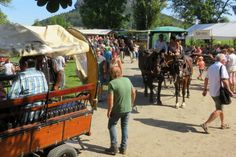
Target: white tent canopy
x=220 y=31
x=95 y=31
x=18 y=40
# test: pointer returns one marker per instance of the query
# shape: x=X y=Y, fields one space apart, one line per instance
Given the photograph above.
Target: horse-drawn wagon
x=163 y=58
x=65 y=113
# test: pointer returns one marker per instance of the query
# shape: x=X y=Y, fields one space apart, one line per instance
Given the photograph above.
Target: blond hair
x=115 y=72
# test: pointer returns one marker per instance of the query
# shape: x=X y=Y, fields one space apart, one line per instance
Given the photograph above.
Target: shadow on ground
x=174 y=126
x=94 y=148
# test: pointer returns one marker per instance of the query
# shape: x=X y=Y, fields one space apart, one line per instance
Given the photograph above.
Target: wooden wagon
x=61 y=119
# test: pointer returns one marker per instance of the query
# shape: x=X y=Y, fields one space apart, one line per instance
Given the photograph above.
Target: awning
x=95 y=31
x=218 y=31
x=18 y=40
x=168 y=29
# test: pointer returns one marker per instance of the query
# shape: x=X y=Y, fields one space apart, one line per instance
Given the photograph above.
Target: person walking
x=231 y=65
x=214 y=78
x=201 y=67
x=101 y=60
x=121 y=96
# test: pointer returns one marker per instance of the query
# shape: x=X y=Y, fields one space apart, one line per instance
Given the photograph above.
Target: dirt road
x=163 y=131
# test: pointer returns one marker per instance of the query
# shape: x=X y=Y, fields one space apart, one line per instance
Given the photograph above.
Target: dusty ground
x=163 y=131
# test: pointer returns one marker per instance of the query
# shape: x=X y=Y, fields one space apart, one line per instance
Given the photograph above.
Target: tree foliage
x=5 y=2
x=103 y=13
x=146 y=12
x=55 y=20
x=3 y=17
x=72 y=18
x=204 y=11
x=53 y=5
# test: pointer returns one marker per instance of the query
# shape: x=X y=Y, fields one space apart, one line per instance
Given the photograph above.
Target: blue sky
x=27 y=12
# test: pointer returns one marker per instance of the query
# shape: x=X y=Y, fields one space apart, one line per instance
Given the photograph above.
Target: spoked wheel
x=62 y=151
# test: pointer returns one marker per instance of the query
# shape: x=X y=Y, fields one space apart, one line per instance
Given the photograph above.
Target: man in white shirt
x=161 y=45
x=213 y=77
x=9 y=67
x=58 y=66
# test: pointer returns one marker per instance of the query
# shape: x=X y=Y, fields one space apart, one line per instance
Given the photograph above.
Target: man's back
x=28 y=82
x=59 y=63
x=121 y=88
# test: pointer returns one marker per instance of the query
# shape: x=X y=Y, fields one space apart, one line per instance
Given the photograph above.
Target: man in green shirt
x=121 y=96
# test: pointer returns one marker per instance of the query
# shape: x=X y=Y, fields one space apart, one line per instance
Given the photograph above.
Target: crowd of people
x=110 y=53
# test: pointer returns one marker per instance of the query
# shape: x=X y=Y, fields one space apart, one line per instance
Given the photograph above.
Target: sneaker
x=205 y=128
x=112 y=150
x=122 y=150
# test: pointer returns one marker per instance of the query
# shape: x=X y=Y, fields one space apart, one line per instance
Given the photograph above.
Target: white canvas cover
x=95 y=31
x=18 y=40
x=220 y=31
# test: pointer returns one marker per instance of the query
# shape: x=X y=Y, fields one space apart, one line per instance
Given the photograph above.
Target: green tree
x=3 y=17
x=5 y=2
x=103 y=13
x=37 y=23
x=204 y=11
x=59 y=20
x=146 y=12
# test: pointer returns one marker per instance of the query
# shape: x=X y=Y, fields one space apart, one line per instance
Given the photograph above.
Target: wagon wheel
x=62 y=151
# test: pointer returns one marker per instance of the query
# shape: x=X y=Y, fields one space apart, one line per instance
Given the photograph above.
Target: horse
x=181 y=70
x=149 y=62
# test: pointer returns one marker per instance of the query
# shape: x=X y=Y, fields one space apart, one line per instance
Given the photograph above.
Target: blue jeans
x=124 y=128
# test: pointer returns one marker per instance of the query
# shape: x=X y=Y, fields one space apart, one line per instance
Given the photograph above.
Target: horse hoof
x=183 y=105
x=187 y=96
x=159 y=103
x=177 y=105
x=151 y=101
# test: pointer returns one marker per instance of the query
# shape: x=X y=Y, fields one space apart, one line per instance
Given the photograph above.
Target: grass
x=72 y=79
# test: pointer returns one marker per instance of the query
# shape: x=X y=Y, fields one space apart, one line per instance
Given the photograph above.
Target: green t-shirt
x=121 y=88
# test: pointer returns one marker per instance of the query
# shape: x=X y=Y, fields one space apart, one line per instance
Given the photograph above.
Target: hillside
x=73 y=19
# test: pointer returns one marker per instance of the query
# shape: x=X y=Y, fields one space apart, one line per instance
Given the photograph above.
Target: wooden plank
x=46 y=136
x=33 y=98
x=77 y=126
x=15 y=145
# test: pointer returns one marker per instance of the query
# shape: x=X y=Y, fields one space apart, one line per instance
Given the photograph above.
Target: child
x=201 y=67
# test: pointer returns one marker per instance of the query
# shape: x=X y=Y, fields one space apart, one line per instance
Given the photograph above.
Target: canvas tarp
x=220 y=31
x=95 y=31
x=18 y=40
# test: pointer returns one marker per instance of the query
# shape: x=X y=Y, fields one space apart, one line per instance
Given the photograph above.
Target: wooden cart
x=61 y=120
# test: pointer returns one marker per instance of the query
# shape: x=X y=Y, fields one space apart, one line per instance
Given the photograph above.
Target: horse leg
x=188 y=84
x=176 y=93
x=145 y=89
x=185 y=83
x=160 y=80
x=145 y=82
x=151 y=92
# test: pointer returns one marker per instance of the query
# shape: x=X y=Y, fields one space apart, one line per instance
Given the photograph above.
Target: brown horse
x=181 y=71
x=150 y=66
